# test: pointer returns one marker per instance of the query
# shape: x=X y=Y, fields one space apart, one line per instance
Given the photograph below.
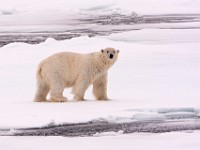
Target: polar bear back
x=64 y=66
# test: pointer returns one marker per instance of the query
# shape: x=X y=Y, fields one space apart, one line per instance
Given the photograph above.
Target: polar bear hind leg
x=42 y=90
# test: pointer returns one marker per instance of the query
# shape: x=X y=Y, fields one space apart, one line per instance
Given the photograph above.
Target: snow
x=33 y=15
x=108 y=133
x=138 y=6
x=164 y=141
x=149 y=117
x=160 y=36
x=155 y=79
x=147 y=75
x=160 y=6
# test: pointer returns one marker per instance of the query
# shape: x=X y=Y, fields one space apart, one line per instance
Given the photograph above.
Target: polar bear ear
x=102 y=50
x=117 y=51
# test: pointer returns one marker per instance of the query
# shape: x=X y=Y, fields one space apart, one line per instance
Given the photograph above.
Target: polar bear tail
x=39 y=70
x=42 y=87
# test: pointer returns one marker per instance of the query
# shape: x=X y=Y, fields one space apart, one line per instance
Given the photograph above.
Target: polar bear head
x=110 y=55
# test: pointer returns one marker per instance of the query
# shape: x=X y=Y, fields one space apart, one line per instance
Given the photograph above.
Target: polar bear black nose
x=111 y=56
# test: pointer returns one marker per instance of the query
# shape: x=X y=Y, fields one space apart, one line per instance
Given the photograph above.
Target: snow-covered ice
x=108 y=133
x=33 y=15
x=156 y=77
x=139 y=6
x=164 y=141
x=160 y=36
x=147 y=75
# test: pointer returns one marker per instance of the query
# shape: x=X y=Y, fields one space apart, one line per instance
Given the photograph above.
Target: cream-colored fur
x=79 y=71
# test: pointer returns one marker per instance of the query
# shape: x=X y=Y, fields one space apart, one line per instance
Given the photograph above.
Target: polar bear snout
x=111 y=56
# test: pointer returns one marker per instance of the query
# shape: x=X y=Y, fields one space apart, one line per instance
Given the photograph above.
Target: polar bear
x=79 y=71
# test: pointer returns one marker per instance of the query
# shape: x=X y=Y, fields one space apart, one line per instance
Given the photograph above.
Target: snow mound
x=149 y=117
x=108 y=133
x=175 y=113
x=161 y=36
x=8 y=11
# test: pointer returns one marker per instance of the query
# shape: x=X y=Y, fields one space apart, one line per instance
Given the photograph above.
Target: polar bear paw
x=59 y=99
x=78 y=98
x=103 y=99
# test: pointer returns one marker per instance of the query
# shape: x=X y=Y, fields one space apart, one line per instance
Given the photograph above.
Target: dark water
x=115 y=20
x=172 y=122
x=91 y=128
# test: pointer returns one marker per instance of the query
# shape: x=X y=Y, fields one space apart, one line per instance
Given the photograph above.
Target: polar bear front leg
x=79 y=89
x=100 y=87
x=56 y=93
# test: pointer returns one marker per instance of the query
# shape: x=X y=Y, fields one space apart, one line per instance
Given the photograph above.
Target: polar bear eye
x=107 y=52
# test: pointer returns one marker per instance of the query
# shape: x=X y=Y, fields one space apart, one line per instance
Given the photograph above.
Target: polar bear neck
x=101 y=63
